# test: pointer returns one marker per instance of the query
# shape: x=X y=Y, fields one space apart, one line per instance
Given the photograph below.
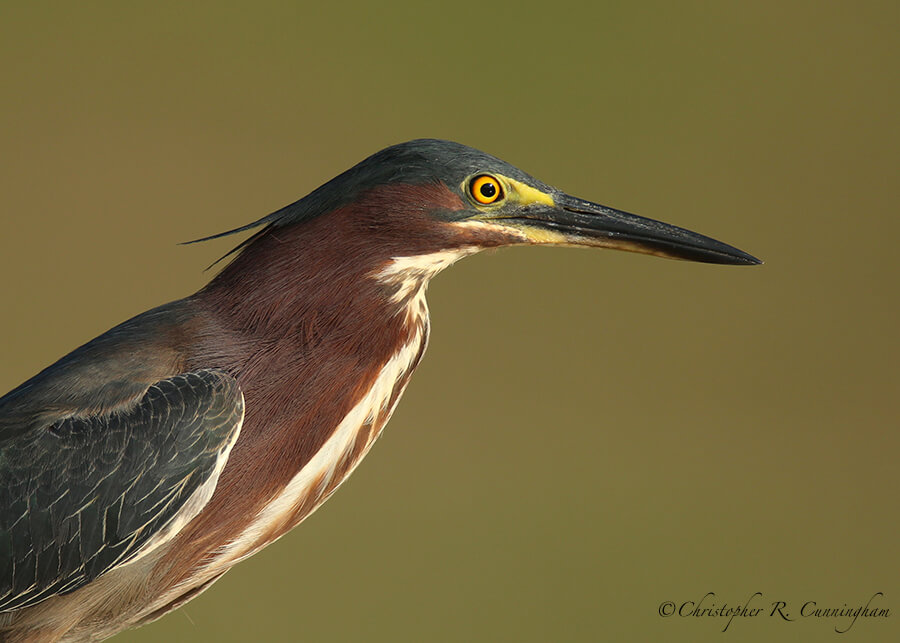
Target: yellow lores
x=522 y=194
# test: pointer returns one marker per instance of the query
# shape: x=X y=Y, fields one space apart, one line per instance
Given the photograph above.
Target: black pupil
x=488 y=190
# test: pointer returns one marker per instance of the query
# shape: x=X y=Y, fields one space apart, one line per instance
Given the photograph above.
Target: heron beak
x=573 y=221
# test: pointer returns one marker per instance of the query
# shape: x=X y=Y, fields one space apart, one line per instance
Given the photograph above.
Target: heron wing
x=84 y=494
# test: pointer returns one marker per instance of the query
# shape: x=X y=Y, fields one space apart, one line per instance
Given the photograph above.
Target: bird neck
x=322 y=343
x=322 y=324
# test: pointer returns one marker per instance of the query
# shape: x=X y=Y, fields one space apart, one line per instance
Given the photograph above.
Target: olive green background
x=592 y=433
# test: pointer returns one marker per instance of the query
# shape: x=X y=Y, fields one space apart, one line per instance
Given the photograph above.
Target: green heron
x=140 y=467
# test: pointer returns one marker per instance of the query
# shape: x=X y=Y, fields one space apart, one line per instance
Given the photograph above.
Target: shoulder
x=112 y=370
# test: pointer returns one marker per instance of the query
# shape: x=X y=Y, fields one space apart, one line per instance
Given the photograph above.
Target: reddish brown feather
x=300 y=321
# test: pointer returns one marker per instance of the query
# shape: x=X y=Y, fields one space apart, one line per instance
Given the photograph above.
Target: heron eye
x=485 y=189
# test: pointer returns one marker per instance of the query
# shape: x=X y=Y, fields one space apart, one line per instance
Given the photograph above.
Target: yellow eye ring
x=485 y=189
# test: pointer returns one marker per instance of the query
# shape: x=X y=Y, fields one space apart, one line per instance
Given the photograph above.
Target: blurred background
x=591 y=433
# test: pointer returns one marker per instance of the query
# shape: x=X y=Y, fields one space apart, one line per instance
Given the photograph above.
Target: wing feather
x=83 y=495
